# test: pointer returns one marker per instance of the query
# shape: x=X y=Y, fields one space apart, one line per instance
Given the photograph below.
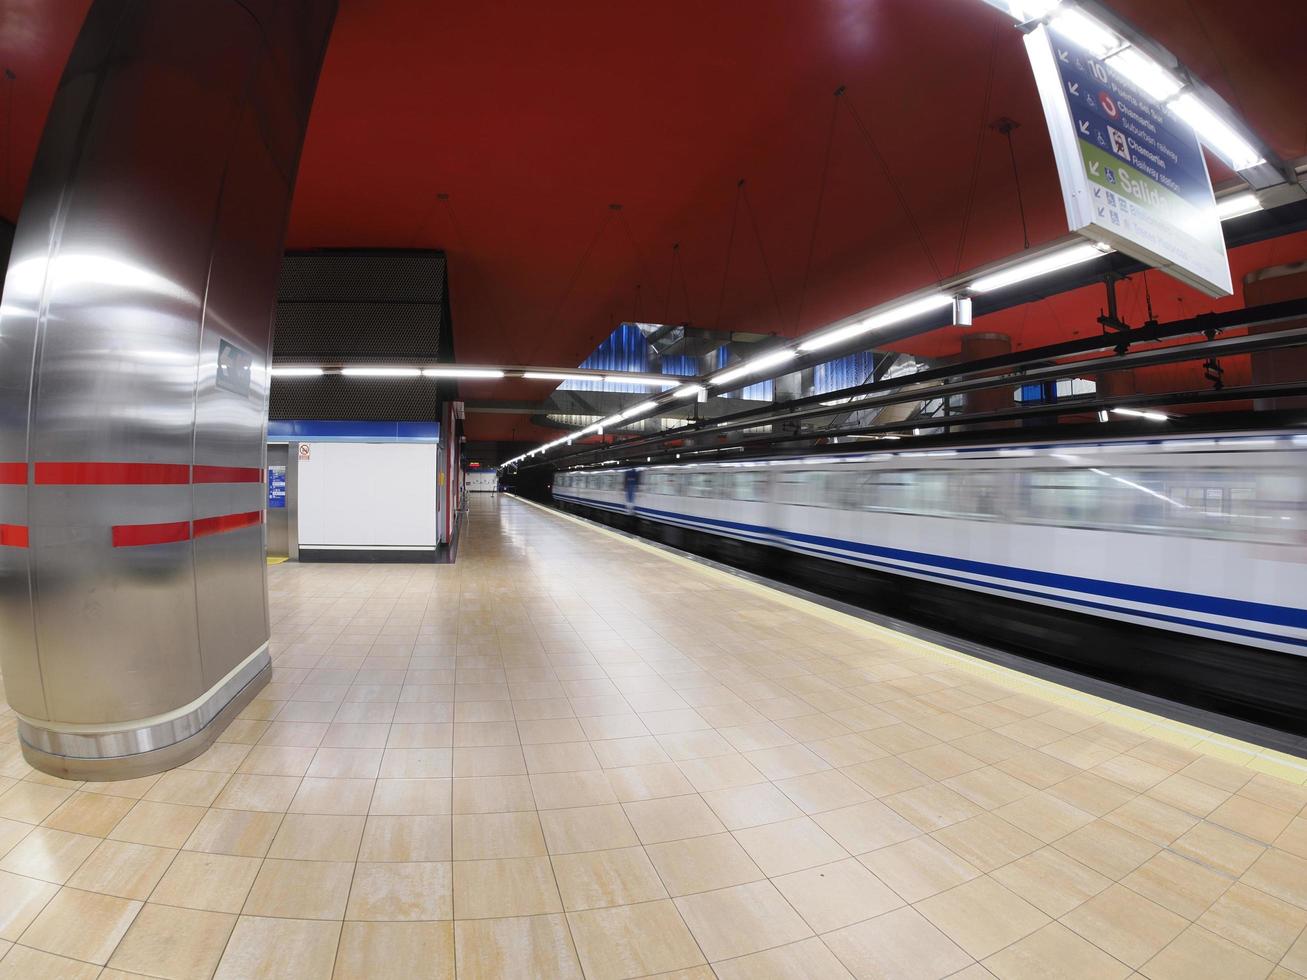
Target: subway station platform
x=574 y=755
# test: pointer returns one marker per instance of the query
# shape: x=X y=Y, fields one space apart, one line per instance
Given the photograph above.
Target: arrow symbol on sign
x=1098 y=192
x=1101 y=212
x=1084 y=126
x=1074 y=87
x=1093 y=167
x=1062 y=56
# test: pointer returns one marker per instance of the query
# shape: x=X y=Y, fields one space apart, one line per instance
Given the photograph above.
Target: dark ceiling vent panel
x=342 y=307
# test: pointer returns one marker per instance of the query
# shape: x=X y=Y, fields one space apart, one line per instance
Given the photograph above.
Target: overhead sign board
x=1133 y=174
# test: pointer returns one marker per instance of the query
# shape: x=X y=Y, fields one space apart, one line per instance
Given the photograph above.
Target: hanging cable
x=576 y=273
x=816 y=217
x=894 y=186
x=980 y=148
x=762 y=253
x=1005 y=126
x=730 y=245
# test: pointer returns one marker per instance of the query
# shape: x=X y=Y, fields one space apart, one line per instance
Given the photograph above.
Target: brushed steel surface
x=137 y=329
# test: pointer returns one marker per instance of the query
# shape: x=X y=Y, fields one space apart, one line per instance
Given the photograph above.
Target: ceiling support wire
x=576 y=273
x=730 y=247
x=894 y=186
x=816 y=217
x=762 y=253
x=980 y=149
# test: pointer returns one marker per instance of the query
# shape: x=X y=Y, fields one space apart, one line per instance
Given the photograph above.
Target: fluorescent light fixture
x=1237 y=204
x=762 y=363
x=1054 y=261
x=1136 y=413
x=559 y=376
x=296 y=372
x=460 y=372
x=885 y=318
x=610 y=421
x=1137 y=67
x=638 y=409
x=641 y=379
x=380 y=372
x=1219 y=135
x=688 y=391
x=1085 y=31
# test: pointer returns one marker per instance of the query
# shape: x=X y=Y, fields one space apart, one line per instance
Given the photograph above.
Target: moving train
x=1162 y=563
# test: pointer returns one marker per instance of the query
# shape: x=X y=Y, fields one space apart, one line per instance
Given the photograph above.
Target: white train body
x=1203 y=535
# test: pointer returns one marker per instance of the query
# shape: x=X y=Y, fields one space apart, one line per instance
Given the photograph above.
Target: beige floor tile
x=1197 y=952
x=501 y=760
x=1052 y=881
x=277 y=760
x=589 y=828
x=158 y=824
x=416 y=838
x=721 y=772
x=599 y=879
x=89 y=813
x=22 y=963
x=932 y=807
x=1252 y=819
x=808 y=959
x=1151 y=819
x=505 y=887
x=279 y=949
x=866 y=826
x=751 y=806
x=401 y=892
x=208 y=882
x=241 y=832
x=250 y=791
x=300 y=890
x=982 y=916
x=173 y=942
x=189 y=786
x=633 y=941
x=1296 y=958
x=1044 y=816
x=651 y=782
x=435 y=763
x=530 y=946
x=790 y=845
x=1174 y=882
x=833 y=896
x=744 y=919
x=672 y=818
x=1255 y=920
x=124 y=870
x=81 y=925
x=346 y=763
x=31 y=802
x=339 y=796
x=1055 y=950
x=1107 y=849
x=1125 y=925
x=820 y=791
x=560 y=790
x=318 y=837
x=485 y=836
x=1293 y=839
x=396 y=951
x=897 y=944
x=412 y=797
x=1218 y=848
x=990 y=787
x=21 y=901
x=50 y=855
x=1279 y=873
x=1190 y=795
x=703 y=863
x=919 y=868
x=1091 y=793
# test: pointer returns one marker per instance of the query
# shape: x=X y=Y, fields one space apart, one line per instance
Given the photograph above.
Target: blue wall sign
x=276 y=487
x=1133 y=174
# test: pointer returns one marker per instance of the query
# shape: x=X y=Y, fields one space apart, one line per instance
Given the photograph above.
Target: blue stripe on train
x=1178 y=601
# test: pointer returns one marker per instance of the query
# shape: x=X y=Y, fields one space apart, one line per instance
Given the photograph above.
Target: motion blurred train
x=1177 y=566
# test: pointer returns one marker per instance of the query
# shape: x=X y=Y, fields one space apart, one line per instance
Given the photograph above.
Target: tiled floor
x=566 y=756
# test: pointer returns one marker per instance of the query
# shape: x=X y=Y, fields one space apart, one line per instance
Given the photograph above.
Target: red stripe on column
x=13 y=535
x=136 y=535
x=228 y=474
x=13 y=474
x=205 y=526
x=137 y=474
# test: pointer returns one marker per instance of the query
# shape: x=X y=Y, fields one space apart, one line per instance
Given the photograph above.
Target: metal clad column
x=134 y=347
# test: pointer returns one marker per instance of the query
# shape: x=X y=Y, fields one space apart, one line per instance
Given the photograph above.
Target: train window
x=747 y=486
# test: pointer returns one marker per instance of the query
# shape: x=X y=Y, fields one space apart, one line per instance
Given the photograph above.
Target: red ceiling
x=535 y=117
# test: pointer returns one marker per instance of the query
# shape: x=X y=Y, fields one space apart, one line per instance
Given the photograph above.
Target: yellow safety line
x=1233 y=750
x=277 y=561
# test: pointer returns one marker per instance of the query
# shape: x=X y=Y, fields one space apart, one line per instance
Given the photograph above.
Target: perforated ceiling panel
x=358 y=307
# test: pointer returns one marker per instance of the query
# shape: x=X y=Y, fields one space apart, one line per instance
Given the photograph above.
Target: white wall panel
x=368 y=494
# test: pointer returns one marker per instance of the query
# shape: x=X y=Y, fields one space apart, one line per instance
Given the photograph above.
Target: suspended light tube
x=1136 y=413
x=381 y=372
x=559 y=376
x=295 y=372
x=459 y=372
x=885 y=318
x=754 y=366
x=638 y=409
x=1053 y=262
x=688 y=391
x=1236 y=205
